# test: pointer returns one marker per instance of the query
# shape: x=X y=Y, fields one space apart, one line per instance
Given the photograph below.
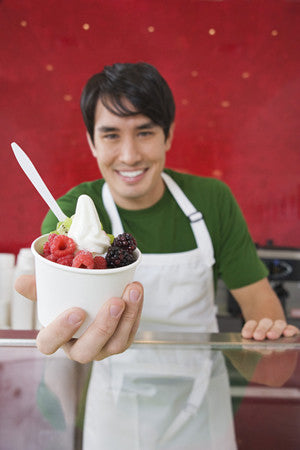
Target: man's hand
x=263 y=312
x=268 y=329
x=112 y=331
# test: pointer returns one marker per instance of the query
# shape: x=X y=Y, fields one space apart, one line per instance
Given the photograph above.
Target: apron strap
x=185 y=205
x=111 y=209
x=195 y=217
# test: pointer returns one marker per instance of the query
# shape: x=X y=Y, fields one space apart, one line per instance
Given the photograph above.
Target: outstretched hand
x=112 y=331
x=268 y=329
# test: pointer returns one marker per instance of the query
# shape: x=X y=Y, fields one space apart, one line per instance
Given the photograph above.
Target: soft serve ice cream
x=86 y=229
x=81 y=242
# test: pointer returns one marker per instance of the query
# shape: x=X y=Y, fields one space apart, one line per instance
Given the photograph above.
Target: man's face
x=130 y=152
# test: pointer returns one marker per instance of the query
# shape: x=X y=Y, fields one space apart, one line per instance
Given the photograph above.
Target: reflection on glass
x=161 y=399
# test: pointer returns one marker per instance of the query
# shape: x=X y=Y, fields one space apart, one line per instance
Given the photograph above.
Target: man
x=189 y=229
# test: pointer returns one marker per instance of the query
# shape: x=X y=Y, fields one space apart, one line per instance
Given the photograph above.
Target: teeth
x=131 y=174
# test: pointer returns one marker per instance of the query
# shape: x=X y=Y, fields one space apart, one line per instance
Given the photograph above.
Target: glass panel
x=40 y=396
x=169 y=391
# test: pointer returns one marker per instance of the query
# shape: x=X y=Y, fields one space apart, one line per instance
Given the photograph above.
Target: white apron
x=151 y=398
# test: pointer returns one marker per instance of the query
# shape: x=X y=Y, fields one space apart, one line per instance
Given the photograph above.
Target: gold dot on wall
x=151 y=29
x=225 y=103
x=211 y=31
x=274 y=33
x=86 y=26
x=49 y=67
x=23 y=23
x=245 y=75
x=68 y=97
x=185 y=101
x=217 y=173
x=194 y=73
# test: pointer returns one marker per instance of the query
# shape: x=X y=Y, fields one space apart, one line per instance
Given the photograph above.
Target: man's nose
x=129 y=151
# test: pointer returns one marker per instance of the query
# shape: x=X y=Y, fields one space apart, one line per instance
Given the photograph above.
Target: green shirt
x=163 y=228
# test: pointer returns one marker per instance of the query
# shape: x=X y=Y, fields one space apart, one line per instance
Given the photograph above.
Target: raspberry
x=100 y=262
x=66 y=260
x=51 y=258
x=51 y=236
x=62 y=245
x=46 y=249
x=125 y=241
x=118 y=257
x=84 y=260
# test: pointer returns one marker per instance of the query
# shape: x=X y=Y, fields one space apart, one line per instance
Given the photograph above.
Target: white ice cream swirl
x=86 y=229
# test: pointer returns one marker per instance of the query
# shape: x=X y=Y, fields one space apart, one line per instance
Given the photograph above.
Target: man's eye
x=111 y=136
x=145 y=133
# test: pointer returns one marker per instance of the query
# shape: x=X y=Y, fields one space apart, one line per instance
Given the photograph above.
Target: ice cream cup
x=61 y=287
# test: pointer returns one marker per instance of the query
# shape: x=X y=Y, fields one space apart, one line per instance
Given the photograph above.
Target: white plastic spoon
x=37 y=181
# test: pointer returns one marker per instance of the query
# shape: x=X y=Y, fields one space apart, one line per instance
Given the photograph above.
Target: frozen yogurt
x=81 y=242
x=86 y=229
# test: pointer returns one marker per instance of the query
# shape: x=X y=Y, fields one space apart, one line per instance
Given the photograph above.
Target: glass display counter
x=43 y=398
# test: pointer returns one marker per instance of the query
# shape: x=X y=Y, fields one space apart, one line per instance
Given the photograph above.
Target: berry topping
x=100 y=262
x=84 y=260
x=66 y=260
x=51 y=237
x=46 y=249
x=118 y=257
x=125 y=241
x=62 y=245
x=51 y=258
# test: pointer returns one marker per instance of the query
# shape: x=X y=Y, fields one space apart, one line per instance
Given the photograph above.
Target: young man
x=189 y=229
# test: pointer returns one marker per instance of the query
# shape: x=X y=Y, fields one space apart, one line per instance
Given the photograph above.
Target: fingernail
x=134 y=295
x=74 y=318
x=115 y=310
x=259 y=335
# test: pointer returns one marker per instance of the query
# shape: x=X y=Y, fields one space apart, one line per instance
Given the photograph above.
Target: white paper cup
x=61 y=287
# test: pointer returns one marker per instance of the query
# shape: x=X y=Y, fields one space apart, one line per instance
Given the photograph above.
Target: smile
x=132 y=174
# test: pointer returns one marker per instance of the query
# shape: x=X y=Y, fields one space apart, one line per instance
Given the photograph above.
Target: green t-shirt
x=163 y=228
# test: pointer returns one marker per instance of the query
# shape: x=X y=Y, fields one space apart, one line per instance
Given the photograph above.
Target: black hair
x=139 y=83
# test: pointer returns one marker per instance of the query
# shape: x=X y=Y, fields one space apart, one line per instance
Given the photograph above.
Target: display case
x=43 y=398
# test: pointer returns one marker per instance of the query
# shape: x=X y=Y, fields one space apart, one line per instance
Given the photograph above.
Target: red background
x=233 y=67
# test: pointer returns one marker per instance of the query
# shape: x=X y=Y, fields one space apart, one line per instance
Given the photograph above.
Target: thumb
x=25 y=285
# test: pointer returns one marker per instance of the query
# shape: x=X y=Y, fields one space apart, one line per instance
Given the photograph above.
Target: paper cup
x=61 y=287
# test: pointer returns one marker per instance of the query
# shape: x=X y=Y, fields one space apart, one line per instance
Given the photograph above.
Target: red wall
x=234 y=70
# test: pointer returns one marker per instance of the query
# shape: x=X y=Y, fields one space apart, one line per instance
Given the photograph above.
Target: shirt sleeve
x=238 y=262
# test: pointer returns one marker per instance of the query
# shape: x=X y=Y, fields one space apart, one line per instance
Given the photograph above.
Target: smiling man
x=130 y=152
x=191 y=232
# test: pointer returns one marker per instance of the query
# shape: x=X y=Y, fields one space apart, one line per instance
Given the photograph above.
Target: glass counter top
x=215 y=341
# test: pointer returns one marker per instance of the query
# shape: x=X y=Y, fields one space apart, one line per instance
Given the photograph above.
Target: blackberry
x=118 y=257
x=125 y=241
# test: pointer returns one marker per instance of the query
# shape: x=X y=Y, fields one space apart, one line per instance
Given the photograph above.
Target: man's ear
x=170 y=136
x=91 y=145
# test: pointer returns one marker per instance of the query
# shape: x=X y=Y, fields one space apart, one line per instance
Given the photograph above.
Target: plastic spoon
x=37 y=181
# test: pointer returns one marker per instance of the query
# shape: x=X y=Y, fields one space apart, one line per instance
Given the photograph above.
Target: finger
x=276 y=330
x=291 y=330
x=262 y=328
x=26 y=286
x=129 y=322
x=90 y=344
x=60 y=330
x=248 y=329
x=137 y=322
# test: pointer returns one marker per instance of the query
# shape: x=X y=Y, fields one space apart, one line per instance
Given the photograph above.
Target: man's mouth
x=131 y=173
x=132 y=176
